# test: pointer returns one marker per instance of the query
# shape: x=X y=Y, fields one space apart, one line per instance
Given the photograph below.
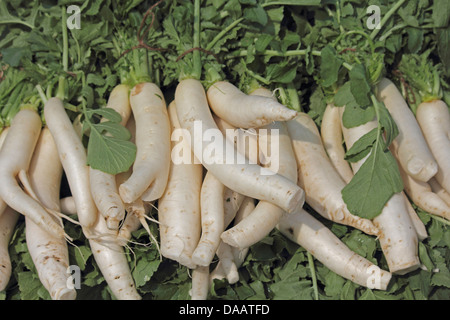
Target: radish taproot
x=434 y=119
x=413 y=151
x=50 y=254
x=212 y=220
x=331 y=133
x=73 y=158
x=320 y=180
x=151 y=167
x=110 y=257
x=179 y=206
x=8 y=222
x=251 y=180
x=15 y=156
x=397 y=234
x=104 y=189
x=266 y=215
x=325 y=246
x=245 y=111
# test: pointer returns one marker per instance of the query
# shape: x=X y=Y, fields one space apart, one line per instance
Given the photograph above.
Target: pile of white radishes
x=223 y=169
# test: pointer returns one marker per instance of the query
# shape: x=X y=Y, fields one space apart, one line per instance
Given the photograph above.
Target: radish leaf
x=374 y=183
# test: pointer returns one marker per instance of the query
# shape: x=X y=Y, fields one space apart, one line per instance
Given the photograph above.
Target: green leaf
x=387 y=123
x=374 y=184
x=359 y=85
x=441 y=13
x=109 y=154
x=330 y=66
x=13 y=55
x=256 y=14
x=362 y=147
x=354 y=115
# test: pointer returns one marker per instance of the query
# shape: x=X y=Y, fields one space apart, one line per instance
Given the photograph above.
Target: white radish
x=317 y=175
x=251 y=180
x=225 y=254
x=106 y=197
x=421 y=230
x=73 y=158
x=245 y=111
x=439 y=190
x=434 y=119
x=423 y=196
x=266 y=215
x=15 y=157
x=8 y=221
x=200 y=283
x=105 y=191
x=3 y=204
x=332 y=139
x=50 y=254
x=413 y=151
x=68 y=206
x=212 y=220
x=398 y=236
x=136 y=210
x=110 y=257
x=151 y=167
x=179 y=206
x=245 y=209
x=317 y=239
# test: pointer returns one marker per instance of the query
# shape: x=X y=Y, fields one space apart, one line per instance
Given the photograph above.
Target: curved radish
x=225 y=254
x=200 y=283
x=413 y=151
x=398 y=237
x=179 y=207
x=112 y=261
x=245 y=111
x=319 y=178
x=136 y=210
x=151 y=167
x=67 y=205
x=15 y=157
x=266 y=215
x=8 y=221
x=245 y=209
x=439 y=190
x=422 y=195
x=106 y=197
x=73 y=158
x=317 y=239
x=50 y=254
x=331 y=133
x=3 y=204
x=251 y=180
x=105 y=192
x=421 y=230
x=212 y=220
x=434 y=119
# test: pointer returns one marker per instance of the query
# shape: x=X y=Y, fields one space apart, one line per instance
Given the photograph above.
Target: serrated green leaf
x=354 y=115
x=362 y=147
x=109 y=154
x=330 y=66
x=106 y=113
x=115 y=129
x=359 y=85
x=374 y=184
